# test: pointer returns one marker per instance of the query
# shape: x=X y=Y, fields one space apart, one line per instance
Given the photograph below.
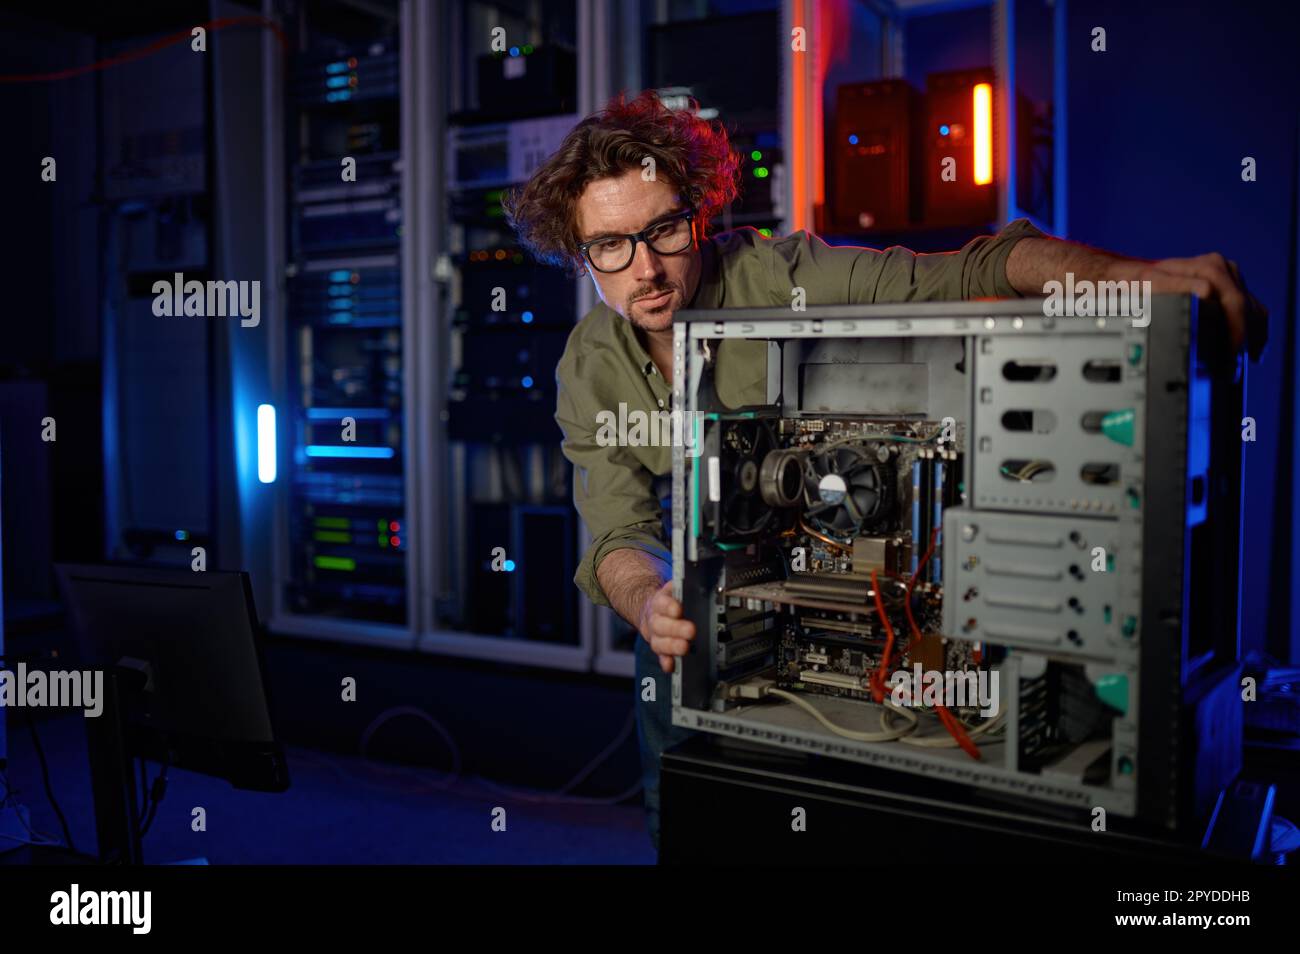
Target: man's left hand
x=1206 y=276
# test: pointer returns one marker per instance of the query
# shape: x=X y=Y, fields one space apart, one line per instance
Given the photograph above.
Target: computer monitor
x=179 y=650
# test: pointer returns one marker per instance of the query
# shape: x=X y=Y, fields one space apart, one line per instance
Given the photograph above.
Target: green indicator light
x=766 y=233
x=1110 y=563
x=756 y=155
x=1130 y=626
x=1133 y=499
x=332 y=523
x=335 y=563
x=383 y=540
x=1125 y=765
x=1135 y=354
x=332 y=536
x=760 y=172
x=383 y=524
x=528 y=48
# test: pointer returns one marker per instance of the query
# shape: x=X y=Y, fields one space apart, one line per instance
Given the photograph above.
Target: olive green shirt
x=604 y=364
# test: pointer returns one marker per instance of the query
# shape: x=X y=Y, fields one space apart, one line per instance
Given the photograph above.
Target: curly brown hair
x=690 y=153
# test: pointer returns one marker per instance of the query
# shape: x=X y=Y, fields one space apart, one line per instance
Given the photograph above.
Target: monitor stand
x=112 y=775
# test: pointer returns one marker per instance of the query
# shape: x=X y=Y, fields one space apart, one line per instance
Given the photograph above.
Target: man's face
x=653 y=287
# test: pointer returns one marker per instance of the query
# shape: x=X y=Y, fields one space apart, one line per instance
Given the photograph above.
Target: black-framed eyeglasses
x=668 y=236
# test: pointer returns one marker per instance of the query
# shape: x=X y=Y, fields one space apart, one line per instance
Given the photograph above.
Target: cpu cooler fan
x=848 y=491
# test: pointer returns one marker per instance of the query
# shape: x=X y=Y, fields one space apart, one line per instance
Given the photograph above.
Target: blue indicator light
x=527 y=381
x=509 y=566
x=338 y=413
x=514 y=51
x=340 y=275
x=347 y=450
x=265 y=443
x=943 y=130
x=853 y=140
x=527 y=317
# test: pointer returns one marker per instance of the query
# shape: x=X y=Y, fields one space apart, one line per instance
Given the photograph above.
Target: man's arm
x=627 y=566
x=847 y=274
x=638 y=585
x=1018 y=261
x=1035 y=261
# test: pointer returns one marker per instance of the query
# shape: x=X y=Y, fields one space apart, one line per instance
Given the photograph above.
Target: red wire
x=907 y=604
x=159 y=44
x=949 y=720
x=878 y=678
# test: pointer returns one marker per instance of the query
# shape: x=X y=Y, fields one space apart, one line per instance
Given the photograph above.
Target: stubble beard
x=659 y=319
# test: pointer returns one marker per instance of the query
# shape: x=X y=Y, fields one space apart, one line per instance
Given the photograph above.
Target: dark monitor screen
x=203 y=704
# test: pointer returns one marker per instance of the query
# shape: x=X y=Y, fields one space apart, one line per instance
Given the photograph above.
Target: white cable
x=450 y=777
x=944 y=741
x=888 y=736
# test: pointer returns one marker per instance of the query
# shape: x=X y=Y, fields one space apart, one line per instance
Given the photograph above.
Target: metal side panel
x=1057 y=585
x=791 y=728
x=1059 y=401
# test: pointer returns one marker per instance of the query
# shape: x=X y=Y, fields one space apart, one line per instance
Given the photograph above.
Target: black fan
x=847 y=489
x=744 y=445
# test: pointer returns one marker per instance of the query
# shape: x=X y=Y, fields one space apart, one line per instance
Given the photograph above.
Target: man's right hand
x=662 y=626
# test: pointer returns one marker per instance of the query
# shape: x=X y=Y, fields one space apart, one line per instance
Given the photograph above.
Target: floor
x=337 y=810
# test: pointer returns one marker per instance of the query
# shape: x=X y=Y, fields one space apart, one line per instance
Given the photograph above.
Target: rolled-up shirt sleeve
x=612 y=490
x=849 y=274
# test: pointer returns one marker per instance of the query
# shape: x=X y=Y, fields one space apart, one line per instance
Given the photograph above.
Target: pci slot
x=834 y=679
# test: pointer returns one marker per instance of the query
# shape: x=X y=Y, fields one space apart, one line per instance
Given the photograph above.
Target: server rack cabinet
x=501 y=535
x=1100 y=583
x=343 y=548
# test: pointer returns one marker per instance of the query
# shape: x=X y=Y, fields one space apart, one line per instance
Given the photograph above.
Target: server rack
x=343 y=542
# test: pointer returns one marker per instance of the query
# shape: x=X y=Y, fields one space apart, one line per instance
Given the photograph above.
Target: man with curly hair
x=628 y=199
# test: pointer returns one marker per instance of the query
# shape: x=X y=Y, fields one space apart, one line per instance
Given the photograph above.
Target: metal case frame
x=1171 y=522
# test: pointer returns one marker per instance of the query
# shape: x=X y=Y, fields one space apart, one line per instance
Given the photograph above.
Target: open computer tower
x=1075 y=484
